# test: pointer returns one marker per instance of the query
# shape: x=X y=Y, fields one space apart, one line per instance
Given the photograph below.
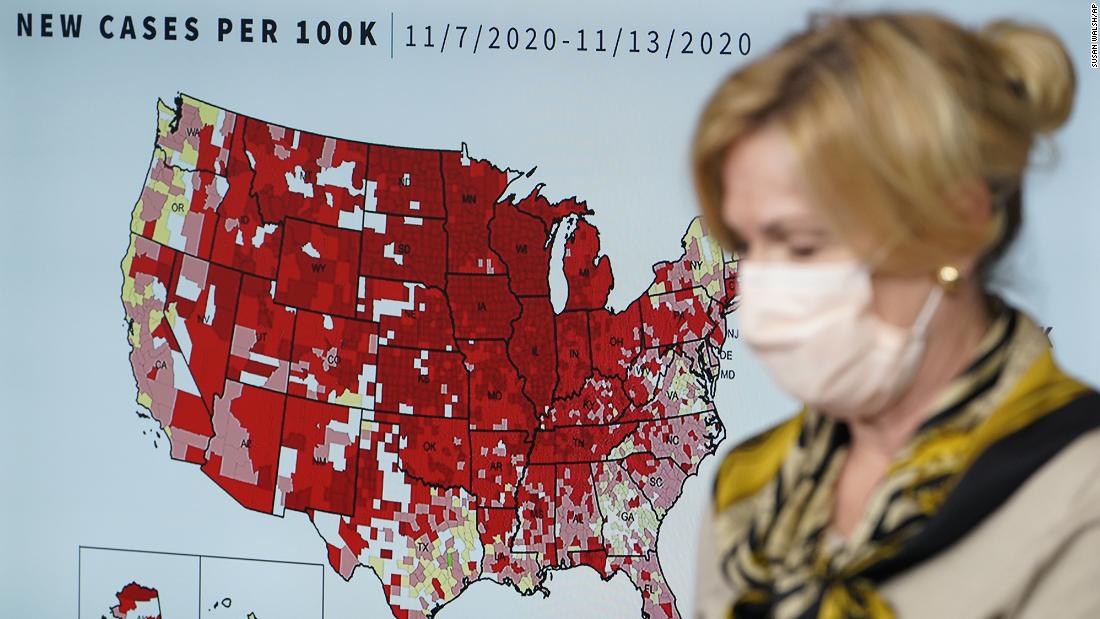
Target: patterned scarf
x=773 y=494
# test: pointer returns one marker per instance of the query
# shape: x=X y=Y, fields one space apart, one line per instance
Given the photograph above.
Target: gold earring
x=948 y=277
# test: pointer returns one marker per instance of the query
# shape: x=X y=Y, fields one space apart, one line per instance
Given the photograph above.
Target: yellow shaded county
x=129 y=294
x=706 y=269
x=709 y=268
x=177 y=204
x=155 y=316
x=189 y=156
x=440 y=550
x=165 y=115
x=169 y=313
x=208 y=114
x=349 y=398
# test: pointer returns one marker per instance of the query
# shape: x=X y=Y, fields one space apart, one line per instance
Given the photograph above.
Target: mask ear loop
x=931 y=303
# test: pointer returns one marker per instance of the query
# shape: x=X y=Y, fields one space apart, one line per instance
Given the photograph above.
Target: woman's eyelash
x=742 y=247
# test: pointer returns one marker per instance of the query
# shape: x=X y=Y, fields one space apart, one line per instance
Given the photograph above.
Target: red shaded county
x=332 y=356
x=243 y=240
x=644 y=373
x=495 y=527
x=675 y=317
x=576 y=509
x=471 y=189
x=437 y=451
x=423 y=319
x=520 y=240
x=422 y=382
x=405 y=248
x=578 y=443
x=616 y=339
x=536 y=205
x=602 y=400
x=151 y=262
x=498 y=458
x=131 y=595
x=536 y=510
x=205 y=297
x=574 y=360
x=260 y=347
x=243 y=456
x=295 y=175
x=408 y=181
x=482 y=305
x=589 y=277
x=318 y=268
x=213 y=157
x=533 y=349
x=497 y=401
x=190 y=415
x=596 y=559
x=379 y=457
x=732 y=288
x=378 y=460
x=324 y=438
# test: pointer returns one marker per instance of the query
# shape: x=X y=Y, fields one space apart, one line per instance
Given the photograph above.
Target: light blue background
x=78 y=120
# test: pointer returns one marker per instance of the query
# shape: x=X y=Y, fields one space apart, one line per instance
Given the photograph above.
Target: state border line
x=324 y=135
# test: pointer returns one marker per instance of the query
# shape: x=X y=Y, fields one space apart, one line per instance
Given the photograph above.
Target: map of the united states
x=365 y=333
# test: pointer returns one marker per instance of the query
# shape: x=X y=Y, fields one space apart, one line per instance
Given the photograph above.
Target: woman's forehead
x=762 y=182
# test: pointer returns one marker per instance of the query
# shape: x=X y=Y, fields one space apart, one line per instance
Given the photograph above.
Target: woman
x=867 y=173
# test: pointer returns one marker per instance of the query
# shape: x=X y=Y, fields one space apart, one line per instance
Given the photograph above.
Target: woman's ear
x=973 y=199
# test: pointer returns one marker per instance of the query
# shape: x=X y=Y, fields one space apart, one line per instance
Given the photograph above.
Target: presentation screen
x=353 y=309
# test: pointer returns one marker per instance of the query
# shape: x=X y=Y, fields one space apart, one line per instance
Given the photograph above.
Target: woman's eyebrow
x=734 y=230
x=780 y=229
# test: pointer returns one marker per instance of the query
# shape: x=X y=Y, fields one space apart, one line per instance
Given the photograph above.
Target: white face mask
x=814 y=327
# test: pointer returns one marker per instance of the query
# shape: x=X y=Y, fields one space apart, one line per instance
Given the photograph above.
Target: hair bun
x=1036 y=64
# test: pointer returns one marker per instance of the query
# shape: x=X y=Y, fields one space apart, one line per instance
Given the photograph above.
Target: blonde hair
x=891 y=116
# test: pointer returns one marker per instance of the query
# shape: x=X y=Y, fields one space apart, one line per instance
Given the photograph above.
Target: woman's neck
x=875 y=441
x=953 y=338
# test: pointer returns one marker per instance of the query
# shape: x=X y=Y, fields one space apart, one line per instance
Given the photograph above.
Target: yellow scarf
x=773 y=494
